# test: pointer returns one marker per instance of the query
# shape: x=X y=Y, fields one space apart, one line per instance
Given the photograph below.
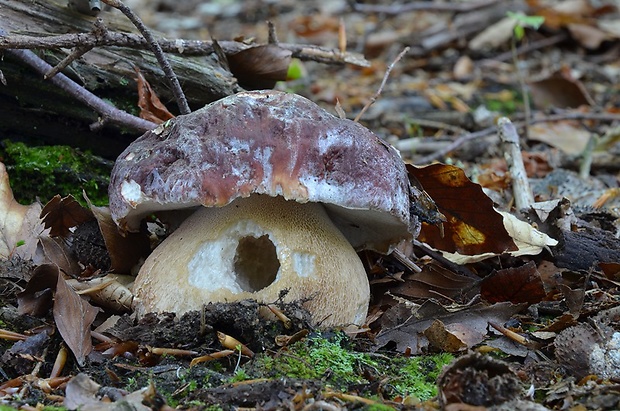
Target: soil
x=543 y=336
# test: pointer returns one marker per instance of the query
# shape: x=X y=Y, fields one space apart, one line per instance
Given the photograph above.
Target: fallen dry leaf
x=81 y=393
x=470 y=323
x=125 y=251
x=72 y=314
x=62 y=214
x=443 y=339
x=73 y=317
x=55 y=251
x=528 y=240
x=260 y=67
x=472 y=225
x=20 y=225
x=560 y=90
x=151 y=107
x=37 y=297
x=517 y=285
x=434 y=281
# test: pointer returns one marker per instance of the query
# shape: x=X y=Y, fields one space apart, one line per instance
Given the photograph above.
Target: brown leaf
x=443 y=339
x=125 y=251
x=260 y=67
x=470 y=323
x=37 y=297
x=560 y=90
x=434 y=281
x=518 y=285
x=20 y=225
x=73 y=316
x=472 y=225
x=55 y=251
x=151 y=107
x=61 y=214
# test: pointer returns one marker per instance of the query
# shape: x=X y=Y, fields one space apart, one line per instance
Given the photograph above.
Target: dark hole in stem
x=256 y=263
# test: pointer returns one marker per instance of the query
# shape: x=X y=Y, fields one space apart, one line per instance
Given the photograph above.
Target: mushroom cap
x=256 y=248
x=273 y=143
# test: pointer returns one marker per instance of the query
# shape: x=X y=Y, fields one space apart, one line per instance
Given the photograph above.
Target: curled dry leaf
x=125 y=251
x=472 y=225
x=72 y=314
x=529 y=241
x=20 y=225
x=260 y=67
x=55 y=251
x=518 y=285
x=73 y=317
x=469 y=324
x=110 y=291
x=151 y=107
x=62 y=214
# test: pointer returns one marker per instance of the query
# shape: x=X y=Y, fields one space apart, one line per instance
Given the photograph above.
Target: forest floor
x=536 y=327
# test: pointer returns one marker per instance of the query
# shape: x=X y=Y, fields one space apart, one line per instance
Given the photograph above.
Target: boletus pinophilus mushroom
x=284 y=194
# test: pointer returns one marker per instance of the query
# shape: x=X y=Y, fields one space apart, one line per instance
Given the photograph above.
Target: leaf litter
x=558 y=297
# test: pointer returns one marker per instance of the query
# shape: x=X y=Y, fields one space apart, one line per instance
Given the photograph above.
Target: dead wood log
x=33 y=108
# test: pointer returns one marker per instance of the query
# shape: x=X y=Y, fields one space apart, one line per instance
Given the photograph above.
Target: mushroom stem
x=255 y=248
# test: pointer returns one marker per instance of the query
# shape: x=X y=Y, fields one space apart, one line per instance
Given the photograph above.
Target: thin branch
x=157 y=50
x=512 y=153
x=518 y=124
x=305 y=52
x=98 y=31
x=62 y=64
x=107 y=111
x=385 y=77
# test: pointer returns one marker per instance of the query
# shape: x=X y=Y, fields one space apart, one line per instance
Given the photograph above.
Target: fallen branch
x=107 y=111
x=512 y=154
x=178 y=46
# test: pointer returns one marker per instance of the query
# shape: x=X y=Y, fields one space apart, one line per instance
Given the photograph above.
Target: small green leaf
x=20 y=243
x=295 y=70
x=522 y=21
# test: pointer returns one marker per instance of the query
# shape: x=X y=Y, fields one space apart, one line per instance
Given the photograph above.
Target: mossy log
x=35 y=110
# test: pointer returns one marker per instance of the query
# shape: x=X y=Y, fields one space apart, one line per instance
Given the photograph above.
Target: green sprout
x=522 y=21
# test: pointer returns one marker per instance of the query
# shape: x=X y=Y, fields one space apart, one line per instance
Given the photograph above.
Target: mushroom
x=282 y=194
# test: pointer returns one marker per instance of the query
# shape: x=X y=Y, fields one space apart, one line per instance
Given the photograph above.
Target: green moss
x=318 y=358
x=333 y=361
x=42 y=172
x=416 y=376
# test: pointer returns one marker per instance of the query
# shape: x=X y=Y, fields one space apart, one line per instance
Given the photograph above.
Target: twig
x=512 y=153
x=74 y=55
x=107 y=111
x=459 y=269
x=159 y=53
x=78 y=51
x=304 y=52
x=423 y=5
x=385 y=77
x=518 y=125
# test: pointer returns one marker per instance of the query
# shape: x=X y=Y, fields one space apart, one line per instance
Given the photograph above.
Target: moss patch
x=333 y=360
x=42 y=172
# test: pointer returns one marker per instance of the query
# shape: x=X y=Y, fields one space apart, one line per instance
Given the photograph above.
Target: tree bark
x=33 y=109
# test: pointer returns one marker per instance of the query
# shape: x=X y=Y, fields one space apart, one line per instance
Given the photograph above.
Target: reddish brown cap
x=273 y=143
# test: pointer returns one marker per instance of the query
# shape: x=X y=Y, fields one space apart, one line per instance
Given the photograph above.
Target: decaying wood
x=106 y=59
